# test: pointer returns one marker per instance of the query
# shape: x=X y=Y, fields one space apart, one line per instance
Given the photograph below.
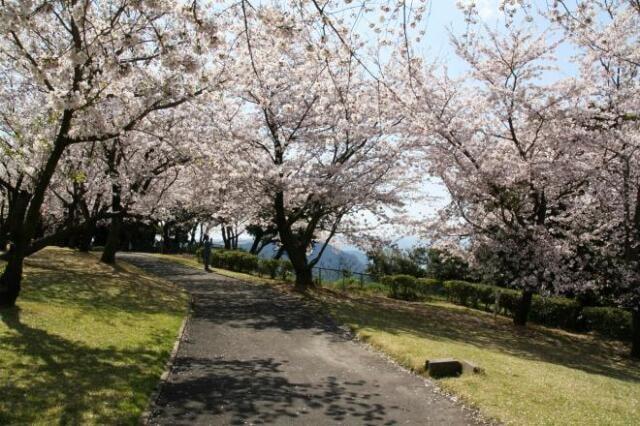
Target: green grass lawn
x=534 y=376
x=87 y=343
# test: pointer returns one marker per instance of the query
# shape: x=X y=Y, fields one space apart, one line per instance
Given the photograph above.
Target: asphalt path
x=252 y=354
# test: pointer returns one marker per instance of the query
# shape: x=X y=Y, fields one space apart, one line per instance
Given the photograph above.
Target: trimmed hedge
x=429 y=286
x=408 y=287
x=550 y=311
x=614 y=322
x=241 y=261
x=238 y=261
x=469 y=294
x=558 y=312
x=404 y=287
x=269 y=267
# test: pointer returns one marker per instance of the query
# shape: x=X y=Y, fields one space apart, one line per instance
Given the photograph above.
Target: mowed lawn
x=536 y=376
x=87 y=343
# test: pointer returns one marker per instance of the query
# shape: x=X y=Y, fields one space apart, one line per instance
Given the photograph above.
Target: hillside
x=332 y=258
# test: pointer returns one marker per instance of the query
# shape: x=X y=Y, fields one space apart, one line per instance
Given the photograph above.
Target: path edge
x=145 y=417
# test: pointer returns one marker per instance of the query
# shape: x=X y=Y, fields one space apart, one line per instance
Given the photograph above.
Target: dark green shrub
x=404 y=287
x=394 y=261
x=612 y=322
x=248 y=262
x=269 y=267
x=458 y=291
x=429 y=286
x=559 y=312
x=556 y=312
x=485 y=294
x=234 y=260
x=219 y=259
x=508 y=301
x=470 y=294
x=286 y=270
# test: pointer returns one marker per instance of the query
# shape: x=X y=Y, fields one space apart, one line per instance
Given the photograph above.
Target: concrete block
x=443 y=367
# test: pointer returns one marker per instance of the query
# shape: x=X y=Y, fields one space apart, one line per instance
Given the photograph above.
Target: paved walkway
x=253 y=355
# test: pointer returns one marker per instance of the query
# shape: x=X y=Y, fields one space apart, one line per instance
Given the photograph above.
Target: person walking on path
x=206 y=253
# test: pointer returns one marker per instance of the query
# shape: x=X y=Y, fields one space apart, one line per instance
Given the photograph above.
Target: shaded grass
x=87 y=343
x=533 y=376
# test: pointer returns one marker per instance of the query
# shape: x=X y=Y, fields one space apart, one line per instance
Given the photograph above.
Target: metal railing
x=330 y=274
x=319 y=273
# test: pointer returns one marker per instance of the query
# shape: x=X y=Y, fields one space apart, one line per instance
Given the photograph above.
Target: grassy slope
x=87 y=342
x=534 y=376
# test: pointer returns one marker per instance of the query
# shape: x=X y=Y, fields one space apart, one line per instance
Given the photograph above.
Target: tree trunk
x=113 y=241
x=11 y=279
x=304 y=279
x=226 y=238
x=234 y=239
x=3 y=227
x=84 y=242
x=635 y=334
x=10 y=282
x=279 y=253
x=28 y=220
x=524 y=306
x=295 y=245
x=256 y=241
x=166 y=238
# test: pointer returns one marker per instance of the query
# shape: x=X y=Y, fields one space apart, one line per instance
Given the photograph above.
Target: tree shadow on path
x=256 y=391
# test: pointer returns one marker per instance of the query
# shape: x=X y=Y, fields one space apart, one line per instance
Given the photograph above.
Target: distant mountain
x=360 y=255
x=332 y=258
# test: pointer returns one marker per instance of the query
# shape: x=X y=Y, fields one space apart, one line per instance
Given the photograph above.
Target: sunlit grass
x=87 y=343
x=535 y=376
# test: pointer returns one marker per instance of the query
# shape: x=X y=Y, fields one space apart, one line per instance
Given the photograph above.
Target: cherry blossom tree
x=607 y=222
x=319 y=131
x=82 y=72
x=546 y=175
x=498 y=140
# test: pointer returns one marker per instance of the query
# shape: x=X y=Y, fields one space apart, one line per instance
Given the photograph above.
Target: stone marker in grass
x=450 y=367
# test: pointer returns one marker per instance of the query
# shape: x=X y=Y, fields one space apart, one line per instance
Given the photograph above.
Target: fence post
x=361 y=280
